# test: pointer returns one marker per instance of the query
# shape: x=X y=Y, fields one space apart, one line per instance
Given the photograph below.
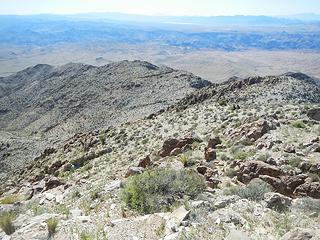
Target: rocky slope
x=44 y=104
x=259 y=161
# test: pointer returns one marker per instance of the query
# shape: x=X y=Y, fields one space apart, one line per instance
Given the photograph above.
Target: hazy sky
x=163 y=7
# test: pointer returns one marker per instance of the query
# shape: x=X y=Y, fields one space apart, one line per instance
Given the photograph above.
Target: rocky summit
x=135 y=151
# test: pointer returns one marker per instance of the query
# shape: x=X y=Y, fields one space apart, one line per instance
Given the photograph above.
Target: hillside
x=42 y=105
x=238 y=160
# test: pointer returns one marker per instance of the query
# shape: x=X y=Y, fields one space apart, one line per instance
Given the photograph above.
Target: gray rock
x=277 y=201
x=299 y=234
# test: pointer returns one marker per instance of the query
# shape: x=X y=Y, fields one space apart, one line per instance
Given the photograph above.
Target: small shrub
x=298 y=124
x=75 y=194
x=224 y=157
x=102 y=138
x=86 y=236
x=52 y=224
x=94 y=194
x=186 y=161
x=294 y=161
x=11 y=199
x=310 y=204
x=253 y=191
x=6 y=223
x=155 y=190
x=264 y=157
x=230 y=172
x=241 y=155
x=314 y=177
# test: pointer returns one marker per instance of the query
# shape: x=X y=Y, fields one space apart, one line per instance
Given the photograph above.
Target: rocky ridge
x=44 y=105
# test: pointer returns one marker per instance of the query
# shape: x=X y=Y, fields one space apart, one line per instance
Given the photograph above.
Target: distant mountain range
x=223 y=32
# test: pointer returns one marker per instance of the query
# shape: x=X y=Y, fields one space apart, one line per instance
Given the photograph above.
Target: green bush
x=10 y=199
x=253 y=191
x=310 y=204
x=231 y=172
x=294 y=161
x=156 y=190
x=102 y=139
x=298 y=124
x=6 y=223
x=52 y=224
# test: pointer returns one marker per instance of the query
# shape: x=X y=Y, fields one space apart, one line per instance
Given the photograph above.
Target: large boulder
x=173 y=143
x=253 y=169
x=310 y=189
x=299 y=234
x=277 y=201
x=314 y=114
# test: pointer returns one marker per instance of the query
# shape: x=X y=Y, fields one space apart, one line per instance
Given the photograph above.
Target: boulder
x=253 y=169
x=145 y=162
x=173 y=143
x=134 y=171
x=175 y=152
x=259 y=128
x=52 y=182
x=277 y=201
x=213 y=142
x=202 y=169
x=298 y=234
x=315 y=147
x=314 y=114
x=310 y=189
x=210 y=154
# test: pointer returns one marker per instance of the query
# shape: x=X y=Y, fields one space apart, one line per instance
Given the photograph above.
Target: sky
x=162 y=7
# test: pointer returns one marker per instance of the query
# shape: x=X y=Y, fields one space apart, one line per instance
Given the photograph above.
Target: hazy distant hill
x=226 y=33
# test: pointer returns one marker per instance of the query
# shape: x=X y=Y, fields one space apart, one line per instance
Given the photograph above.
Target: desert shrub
x=230 y=172
x=155 y=190
x=75 y=194
x=253 y=191
x=264 y=157
x=52 y=224
x=86 y=236
x=6 y=223
x=186 y=161
x=310 y=204
x=314 y=177
x=102 y=138
x=294 y=161
x=298 y=124
x=10 y=199
x=94 y=194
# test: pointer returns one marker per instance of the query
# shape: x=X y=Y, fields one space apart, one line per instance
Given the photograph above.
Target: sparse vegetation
x=102 y=138
x=294 y=161
x=155 y=190
x=10 y=199
x=298 y=124
x=52 y=224
x=253 y=191
x=6 y=222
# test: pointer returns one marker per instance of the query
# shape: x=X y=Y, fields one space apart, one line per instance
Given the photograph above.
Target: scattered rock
x=277 y=201
x=134 y=171
x=202 y=169
x=314 y=114
x=213 y=142
x=175 y=152
x=253 y=169
x=311 y=189
x=210 y=154
x=145 y=162
x=298 y=234
x=290 y=148
x=173 y=143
